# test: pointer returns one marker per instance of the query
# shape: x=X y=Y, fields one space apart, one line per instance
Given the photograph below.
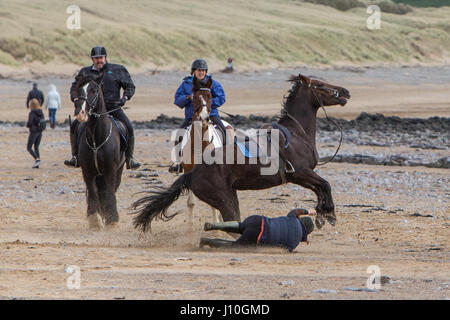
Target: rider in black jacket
x=115 y=77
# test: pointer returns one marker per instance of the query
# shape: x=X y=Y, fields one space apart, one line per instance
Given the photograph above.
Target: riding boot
x=216 y=243
x=176 y=167
x=131 y=163
x=229 y=226
x=73 y=146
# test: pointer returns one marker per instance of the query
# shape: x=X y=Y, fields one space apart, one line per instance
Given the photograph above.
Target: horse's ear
x=83 y=81
x=99 y=78
x=304 y=79
x=209 y=83
x=195 y=84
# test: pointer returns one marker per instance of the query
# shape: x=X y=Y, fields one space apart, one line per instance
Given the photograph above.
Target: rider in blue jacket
x=183 y=99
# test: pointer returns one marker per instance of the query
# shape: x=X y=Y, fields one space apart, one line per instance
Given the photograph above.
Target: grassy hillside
x=425 y=3
x=171 y=33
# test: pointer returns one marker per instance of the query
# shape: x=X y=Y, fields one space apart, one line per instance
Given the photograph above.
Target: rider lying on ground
x=286 y=232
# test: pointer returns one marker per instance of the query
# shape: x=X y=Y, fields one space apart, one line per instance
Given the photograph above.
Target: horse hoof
x=95 y=222
x=332 y=221
x=112 y=226
x=319 y=222
x=331 y=218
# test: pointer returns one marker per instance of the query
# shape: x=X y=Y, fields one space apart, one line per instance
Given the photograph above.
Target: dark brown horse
x=101 y=157
x=216 y=184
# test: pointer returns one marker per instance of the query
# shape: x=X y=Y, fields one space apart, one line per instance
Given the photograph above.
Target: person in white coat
x=53 y=103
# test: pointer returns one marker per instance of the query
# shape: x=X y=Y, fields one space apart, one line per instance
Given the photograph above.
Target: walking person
x=36 y=123
x=35 y=93
x=53 y=103
x=285 y=231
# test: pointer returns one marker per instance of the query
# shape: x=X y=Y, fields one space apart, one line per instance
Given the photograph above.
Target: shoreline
x=370 y=139
x=36 y=71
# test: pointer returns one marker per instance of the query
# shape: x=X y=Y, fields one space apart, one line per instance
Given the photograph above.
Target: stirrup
x=289 y=167
x=176 y=168
x=131 y=164
x=72 y=162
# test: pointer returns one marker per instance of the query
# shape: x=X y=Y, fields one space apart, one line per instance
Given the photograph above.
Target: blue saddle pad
x=245 y=151
x=119 y=128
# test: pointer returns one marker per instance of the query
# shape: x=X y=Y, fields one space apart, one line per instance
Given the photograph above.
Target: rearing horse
x=217 y=184
x=101 y=156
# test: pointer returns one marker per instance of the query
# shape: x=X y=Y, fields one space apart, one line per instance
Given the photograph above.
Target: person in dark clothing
x=35 y=132
x=286 y=232
x=35 y=94
x=115 y=77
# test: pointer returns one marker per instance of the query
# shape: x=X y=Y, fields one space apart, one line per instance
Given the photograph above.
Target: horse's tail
x=156 y=204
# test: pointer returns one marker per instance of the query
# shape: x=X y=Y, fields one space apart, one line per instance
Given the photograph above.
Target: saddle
x=215 y=136
x=120 y=126
x=252 y=144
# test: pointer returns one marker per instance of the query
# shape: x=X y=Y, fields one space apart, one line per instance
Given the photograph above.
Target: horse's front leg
x=93 y=205
x=191 y=205
x=325 y=205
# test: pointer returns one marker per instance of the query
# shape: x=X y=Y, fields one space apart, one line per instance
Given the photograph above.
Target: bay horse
x=217 y=184
x=101 y=156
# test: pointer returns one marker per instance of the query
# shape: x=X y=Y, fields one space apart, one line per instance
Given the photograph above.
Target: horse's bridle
x=336 y=94
x=204 y=104
x=91 y=104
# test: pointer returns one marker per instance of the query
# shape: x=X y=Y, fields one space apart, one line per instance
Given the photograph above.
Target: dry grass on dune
x=265 y=33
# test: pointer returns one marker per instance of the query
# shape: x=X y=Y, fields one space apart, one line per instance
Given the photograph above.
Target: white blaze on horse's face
x=204 y=113
x=83 y=106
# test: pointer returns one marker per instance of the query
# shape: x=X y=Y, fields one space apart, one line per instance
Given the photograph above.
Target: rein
x=326 y=115
x=92 y=103
x=332 y=121
x=95 y=148
x=98 y=115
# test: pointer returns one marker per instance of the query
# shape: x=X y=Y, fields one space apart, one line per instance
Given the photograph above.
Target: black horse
x=101 y=156
x=216 y=184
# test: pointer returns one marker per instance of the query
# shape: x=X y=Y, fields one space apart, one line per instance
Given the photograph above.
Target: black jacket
x=35 y=94
x=34 y=117
x=115 y=77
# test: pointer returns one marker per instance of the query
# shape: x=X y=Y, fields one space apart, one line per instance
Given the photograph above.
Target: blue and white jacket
x=185 y=89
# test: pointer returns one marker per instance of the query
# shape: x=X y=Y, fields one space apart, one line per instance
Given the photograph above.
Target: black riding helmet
x=308 y=223
x=199 y=64
x=98 y=51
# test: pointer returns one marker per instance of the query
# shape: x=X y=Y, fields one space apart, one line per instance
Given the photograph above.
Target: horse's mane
x=289 y=97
